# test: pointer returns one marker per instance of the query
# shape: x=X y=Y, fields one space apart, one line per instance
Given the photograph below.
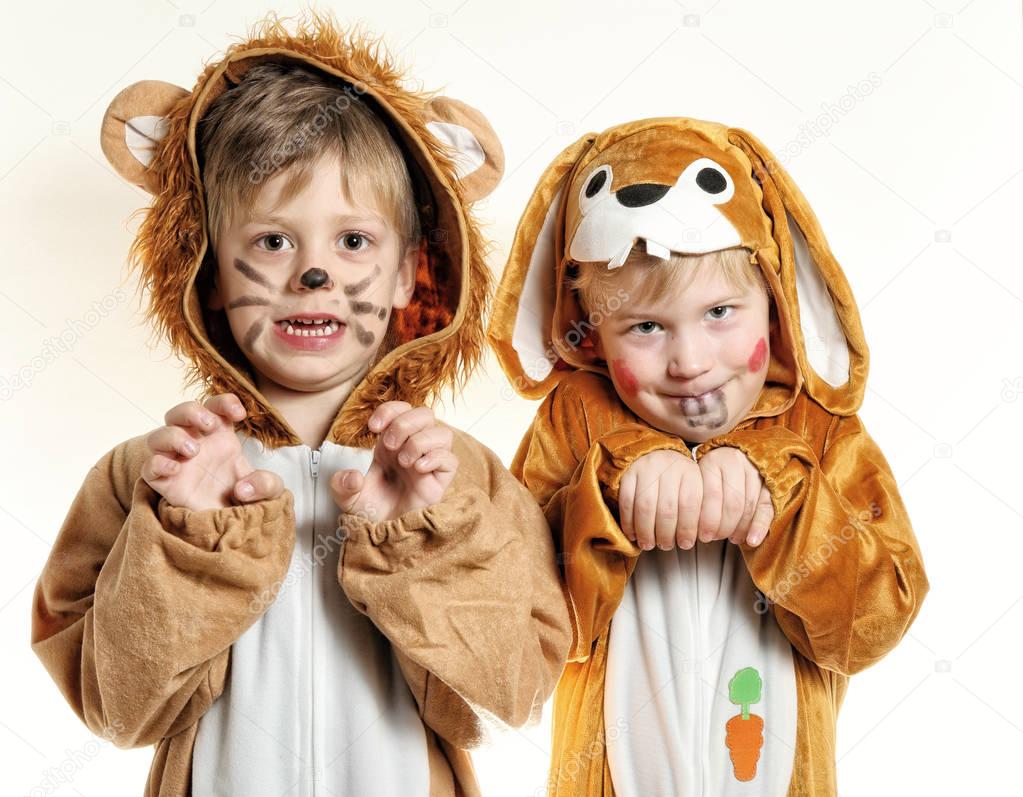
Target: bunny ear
x=478 y=156
x=832 y=351
x=134 y=124
x=520 y=327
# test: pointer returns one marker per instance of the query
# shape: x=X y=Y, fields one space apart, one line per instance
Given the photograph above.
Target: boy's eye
x=646 y=327
x=718 y=316
x=274 y=242
x=354 y=241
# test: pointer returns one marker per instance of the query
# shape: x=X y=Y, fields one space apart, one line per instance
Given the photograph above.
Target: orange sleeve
x=572 y=460
x=840 y=566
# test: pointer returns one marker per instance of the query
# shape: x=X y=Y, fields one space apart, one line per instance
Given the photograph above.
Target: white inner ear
x=826 y=347
x=141 y=135
x=469 y=154
x=536 y=302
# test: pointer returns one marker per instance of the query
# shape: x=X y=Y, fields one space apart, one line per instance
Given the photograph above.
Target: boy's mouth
x=310 y=324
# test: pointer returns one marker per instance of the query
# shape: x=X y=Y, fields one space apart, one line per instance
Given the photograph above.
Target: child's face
x=316 y=256
x=691 y=363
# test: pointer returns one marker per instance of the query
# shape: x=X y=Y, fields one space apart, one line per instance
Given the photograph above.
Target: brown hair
x=644 y=275
x=286 y=117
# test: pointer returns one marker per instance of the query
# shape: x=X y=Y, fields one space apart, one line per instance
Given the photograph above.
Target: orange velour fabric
x=840 y=568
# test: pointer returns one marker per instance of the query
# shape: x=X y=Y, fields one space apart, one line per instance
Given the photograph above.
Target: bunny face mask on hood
x=688 y=186
x=453 y=156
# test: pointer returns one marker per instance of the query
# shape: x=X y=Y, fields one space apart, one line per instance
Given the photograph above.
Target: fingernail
x=191 y=448
x=245 y=489
x=207 y=420
x=404 y=459
x=389 y=440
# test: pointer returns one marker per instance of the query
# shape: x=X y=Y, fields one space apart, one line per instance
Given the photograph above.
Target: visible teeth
x=328 y=329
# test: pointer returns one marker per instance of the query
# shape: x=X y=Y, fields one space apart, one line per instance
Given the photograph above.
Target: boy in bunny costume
x=717 y=666
x=293 y=587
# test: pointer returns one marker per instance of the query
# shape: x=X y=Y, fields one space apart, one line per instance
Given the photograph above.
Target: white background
x=917 y=184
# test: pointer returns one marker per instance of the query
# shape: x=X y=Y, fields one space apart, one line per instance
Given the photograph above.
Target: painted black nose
x=315 y=278
x=641 y=194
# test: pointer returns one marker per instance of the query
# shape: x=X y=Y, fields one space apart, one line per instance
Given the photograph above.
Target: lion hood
x=454 y=158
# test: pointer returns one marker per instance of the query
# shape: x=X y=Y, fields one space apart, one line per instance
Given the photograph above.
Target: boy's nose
x=689 y=358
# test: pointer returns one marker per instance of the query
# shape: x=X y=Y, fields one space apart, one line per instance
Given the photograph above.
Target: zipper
x=314 y=472
x=701 y=724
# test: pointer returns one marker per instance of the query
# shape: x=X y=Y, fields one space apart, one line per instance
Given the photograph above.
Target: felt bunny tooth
x=655 y=249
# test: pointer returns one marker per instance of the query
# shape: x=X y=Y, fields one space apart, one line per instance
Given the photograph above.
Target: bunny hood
x=689 y=186
x=453 y=155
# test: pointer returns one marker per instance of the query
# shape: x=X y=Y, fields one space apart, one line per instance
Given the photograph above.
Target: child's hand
x=659 y=500
x=197 y=460
x=413 y=464
x=736 y=504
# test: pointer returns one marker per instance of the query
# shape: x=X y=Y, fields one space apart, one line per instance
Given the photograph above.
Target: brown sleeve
x=840 y=566
x=467 y=592
x=572 y=459
x=139 y=602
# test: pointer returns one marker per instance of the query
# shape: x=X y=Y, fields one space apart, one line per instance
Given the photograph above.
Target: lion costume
x=223 y=636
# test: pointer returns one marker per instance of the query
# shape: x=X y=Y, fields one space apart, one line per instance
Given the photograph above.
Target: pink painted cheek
x=758 y=357
x=624 y=377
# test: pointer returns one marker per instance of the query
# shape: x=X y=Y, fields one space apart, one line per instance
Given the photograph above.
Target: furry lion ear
x=134 y=124
x=833 y=356
x=477 y=152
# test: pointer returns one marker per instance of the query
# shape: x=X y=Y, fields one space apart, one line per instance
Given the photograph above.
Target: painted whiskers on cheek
x=360 y=307
x=710 y=410
x=256 y=329
x=251 y=273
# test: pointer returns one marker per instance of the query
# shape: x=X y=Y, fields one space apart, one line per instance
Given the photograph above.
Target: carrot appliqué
x=744 y=733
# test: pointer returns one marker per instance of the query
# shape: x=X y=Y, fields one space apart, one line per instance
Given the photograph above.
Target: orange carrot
x=744 y=738
x=744 y=733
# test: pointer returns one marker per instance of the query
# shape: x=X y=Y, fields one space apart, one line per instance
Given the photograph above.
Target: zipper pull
x=314 y=462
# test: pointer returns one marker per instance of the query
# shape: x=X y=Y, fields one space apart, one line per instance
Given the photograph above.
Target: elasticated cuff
x=206 y=528
x=625 y=445
x=441 y=518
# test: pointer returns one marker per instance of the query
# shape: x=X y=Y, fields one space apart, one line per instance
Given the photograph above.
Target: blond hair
x=644 y=275
x=286 y=117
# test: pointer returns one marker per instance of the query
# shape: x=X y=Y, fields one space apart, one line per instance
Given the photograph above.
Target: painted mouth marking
x=708 y=410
